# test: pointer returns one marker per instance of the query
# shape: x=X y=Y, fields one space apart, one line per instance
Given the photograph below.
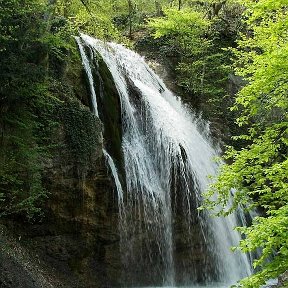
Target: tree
x=131 y=15
x=22 y=86
x=92 y=17
x=28 y=37
x=258 y=172
x=198 y=43
x=130 y=12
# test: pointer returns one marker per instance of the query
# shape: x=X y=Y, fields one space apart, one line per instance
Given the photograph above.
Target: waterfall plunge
x=167 y=164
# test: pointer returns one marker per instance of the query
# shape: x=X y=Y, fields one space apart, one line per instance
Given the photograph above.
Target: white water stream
x=167 y=164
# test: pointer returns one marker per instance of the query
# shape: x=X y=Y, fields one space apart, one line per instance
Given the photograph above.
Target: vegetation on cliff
x=198 y=36
x=206 y=38
x=25 y=102
x=258 y=172
x=36 y=48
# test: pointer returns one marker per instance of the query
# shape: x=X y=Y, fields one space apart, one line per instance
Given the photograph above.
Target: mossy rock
x=83 y=132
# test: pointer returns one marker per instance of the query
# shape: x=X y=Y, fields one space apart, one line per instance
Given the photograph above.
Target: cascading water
x=167 y=164
x=88 y=70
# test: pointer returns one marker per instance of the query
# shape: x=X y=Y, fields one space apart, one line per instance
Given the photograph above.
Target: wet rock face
x=82 y=223
x=77 y=242
x=79 y=235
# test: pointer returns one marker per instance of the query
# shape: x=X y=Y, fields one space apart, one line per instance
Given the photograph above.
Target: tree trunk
x=179 y=4
x=130 y=10
x=202 y=79
x=47 y=14
x=158 y=8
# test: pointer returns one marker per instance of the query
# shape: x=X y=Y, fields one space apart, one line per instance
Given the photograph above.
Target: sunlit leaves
x=185 y=23
x=95 y=17
x=258 y=175
x=195 y=40
x=271 y=235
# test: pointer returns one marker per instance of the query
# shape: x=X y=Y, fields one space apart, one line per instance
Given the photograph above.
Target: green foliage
x=198 y=41
x=26 y=43
x=259 y=172
x=131 y=15
x=81 y=131
x=185 y=31
x=187 y=25
x=95 y=17
x=271 y=235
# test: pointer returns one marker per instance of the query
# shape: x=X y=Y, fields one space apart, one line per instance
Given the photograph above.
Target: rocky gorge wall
x=76 y=243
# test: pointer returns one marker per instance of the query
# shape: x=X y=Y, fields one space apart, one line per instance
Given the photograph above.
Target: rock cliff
x=76 y=243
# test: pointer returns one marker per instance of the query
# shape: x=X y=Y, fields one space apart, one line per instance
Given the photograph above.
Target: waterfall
x=86 y=64
x=168 y=158
x=114 y=172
